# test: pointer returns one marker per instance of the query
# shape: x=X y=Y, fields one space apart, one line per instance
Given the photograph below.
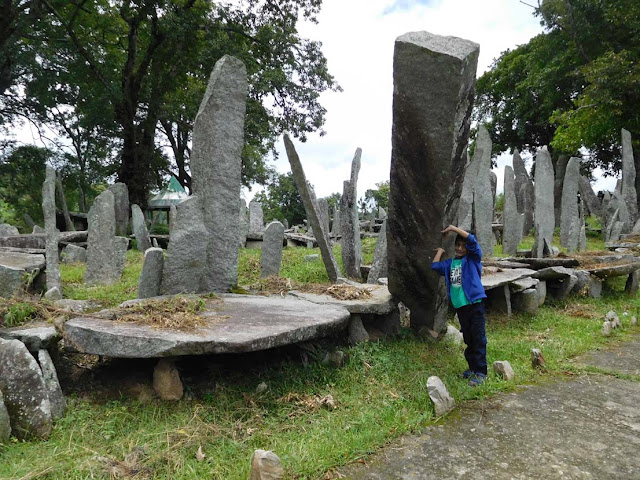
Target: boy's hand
x=450 y=228
x=439 y=252
x=439 y=249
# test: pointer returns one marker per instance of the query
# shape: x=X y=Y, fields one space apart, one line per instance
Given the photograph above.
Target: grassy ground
x=112 y=430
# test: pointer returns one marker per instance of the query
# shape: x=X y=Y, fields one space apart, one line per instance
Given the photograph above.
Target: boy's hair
x=460 y=238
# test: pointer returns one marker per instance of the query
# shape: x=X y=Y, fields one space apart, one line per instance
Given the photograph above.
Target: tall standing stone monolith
x=218 y=138
x=350 y=228
x=308 y=196
x=525 y=193
x=256 y=218
x=589 y=197
x=143 y=241
x=560 y=169
x=121 y=207
x=271 y=256
x=335 y=225
x=512 y=219
x=483 y=193
x=569 y=209
x=434 y=79
x=379 y=267
x=465 y=205
x=323 y=210
x=629 y=193
x=49 y=211
x=102 y=259
x=544 y=214
x=494 y=189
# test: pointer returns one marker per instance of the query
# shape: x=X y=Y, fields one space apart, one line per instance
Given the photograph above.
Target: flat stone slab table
x=380 y=303
x=493 y=277
x=240 y=323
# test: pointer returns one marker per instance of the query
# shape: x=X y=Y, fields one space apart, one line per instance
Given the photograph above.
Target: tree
x=282 y=200
x=375 y=198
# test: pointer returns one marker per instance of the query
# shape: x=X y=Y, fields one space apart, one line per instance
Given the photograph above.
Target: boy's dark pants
x=472 y=323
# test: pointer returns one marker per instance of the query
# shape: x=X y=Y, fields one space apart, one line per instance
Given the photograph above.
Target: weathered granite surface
x=350 y=227
x=525 y=192
x=482 y=193
x=121 y=207
x=242 y=323
x=15 y=268
x=569 y=214
x=491 y=278
x=143 y=242
x=271 y=256
x=35 y=337
x=544 y=208
x=381 y=302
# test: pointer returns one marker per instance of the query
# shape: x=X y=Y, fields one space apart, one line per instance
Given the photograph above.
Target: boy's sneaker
x=466 y=374
x=477 y=379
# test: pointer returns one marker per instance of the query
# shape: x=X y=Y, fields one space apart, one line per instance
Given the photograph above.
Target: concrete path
x=587 y=427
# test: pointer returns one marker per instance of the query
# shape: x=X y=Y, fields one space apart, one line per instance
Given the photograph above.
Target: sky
x=358 y=40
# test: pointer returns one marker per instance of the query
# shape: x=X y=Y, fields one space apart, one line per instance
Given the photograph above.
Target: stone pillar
x=482 y=193
x=150 y=280
x=569 y=211
x=51 y=252
x=524 y=192
x=434 y=79
x=256 y=218
x=379 y=268
x=308 y=196
x=102 y=261
x=544 y=215
x=629 y=193
x=143 y=241
x=323 y=211
x=560 y=168
x=271 y=256
x=589 y=197
x=512 y=220
x=244 y=224
x=465 y=205
x=350 y=228
x=218 y=139
x=121 y=207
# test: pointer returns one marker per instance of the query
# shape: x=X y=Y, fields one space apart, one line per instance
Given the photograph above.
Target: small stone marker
x=512 y=220
x=271 y=256
x=102 y=264
x=612 y=317
x=504 y=370
x=150 y=281
x=357 y=332
x=166 y=380
x=606 y=328
x=634 y=320
x=454 y=334
x=140 y=229
x=537 y=359
x=52 y=385
x=442 y=401
x=266 y=465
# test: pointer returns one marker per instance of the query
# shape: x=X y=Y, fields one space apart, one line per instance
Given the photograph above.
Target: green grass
x=379 y=394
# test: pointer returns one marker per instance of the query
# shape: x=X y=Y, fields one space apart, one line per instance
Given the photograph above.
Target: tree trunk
x=63 y=203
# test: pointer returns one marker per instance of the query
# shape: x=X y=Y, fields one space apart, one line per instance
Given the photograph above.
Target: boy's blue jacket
x=471 y=271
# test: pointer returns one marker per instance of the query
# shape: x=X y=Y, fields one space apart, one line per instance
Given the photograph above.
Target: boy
x=466 y=292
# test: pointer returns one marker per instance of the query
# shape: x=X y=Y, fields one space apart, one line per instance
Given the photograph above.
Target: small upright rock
x=266 y=465
x=166 y=380
x=607 y=326
x=140 y=231
x=537 y=359
x=442 y=401
x=504 y=370
x=150 y=280
x=612 y=317
x=52 y=385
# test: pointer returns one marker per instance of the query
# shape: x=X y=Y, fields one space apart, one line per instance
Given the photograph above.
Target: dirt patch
x=340 y=292
x=580 y=311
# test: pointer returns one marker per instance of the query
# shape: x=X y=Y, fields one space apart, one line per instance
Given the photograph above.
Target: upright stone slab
x=143 y=241
x=323 y=211
x=494 y=189
x=52 y=385
x=465 y=205
x=333 y=270
x=582 y=238
x=512 y=220
x=589 y=197
x=256 y=218
x=218 y=138
x=335 y=225
x=350 y=228
x=271 y=256
x=102 y=261
x=545 y=215
x=560 y=169
x=525 y=193
x=569 y=211
x=379 y=268
x=24 y=391
x=49 y=211
x=482 y=193
x=186 y=262
x=434 y=79
x=172 y=215
x=629 y=193
x=243 y=223
x=121 y=206
x=150 y=281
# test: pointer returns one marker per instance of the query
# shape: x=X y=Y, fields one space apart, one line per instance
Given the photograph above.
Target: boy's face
x=461 y=249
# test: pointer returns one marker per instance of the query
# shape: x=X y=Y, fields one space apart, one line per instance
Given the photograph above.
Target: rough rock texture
x=166 y=380
x=633 y=281
x=525 y=192
x=512 y=219
x=465 y=205
x=442 y=401
x=49 y=211
x=271 y=256
x=569 y=214
x=121 y=208
x=102 y=265
x=14 y=268
x=256 y=218
x=589 y=197
x=243 y=223
x=140 y=231
x=5 y=421
x=34 y=337
x=482 y=193
x=544 y=212
x=74 y=254
x=504 y=370
x=381 y=301
x=308 y=197
x=24 y=391
x=379 y=268
x=242 y=323
x=629 y=194
x=218 y=138
x=7 y=230
x=493 y=277
x=266 y=465
x=52 y=385
x=185 y=264
x=560 y=169
x=350 y=228
x=323 y=211
x=434 y=80
x=150 y=281
x=525 y=301
x=357 y=332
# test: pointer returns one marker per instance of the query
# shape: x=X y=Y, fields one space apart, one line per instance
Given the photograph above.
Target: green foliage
x=377 y=197
x=18 y=313
x=281 y=200
x=499 y=207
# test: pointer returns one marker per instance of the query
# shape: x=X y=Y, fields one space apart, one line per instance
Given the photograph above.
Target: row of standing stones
x=430 y=133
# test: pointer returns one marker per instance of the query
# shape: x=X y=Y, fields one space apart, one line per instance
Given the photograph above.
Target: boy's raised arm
x=459 y=231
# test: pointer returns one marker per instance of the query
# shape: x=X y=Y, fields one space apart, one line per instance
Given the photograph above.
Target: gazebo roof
x=172 y=194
